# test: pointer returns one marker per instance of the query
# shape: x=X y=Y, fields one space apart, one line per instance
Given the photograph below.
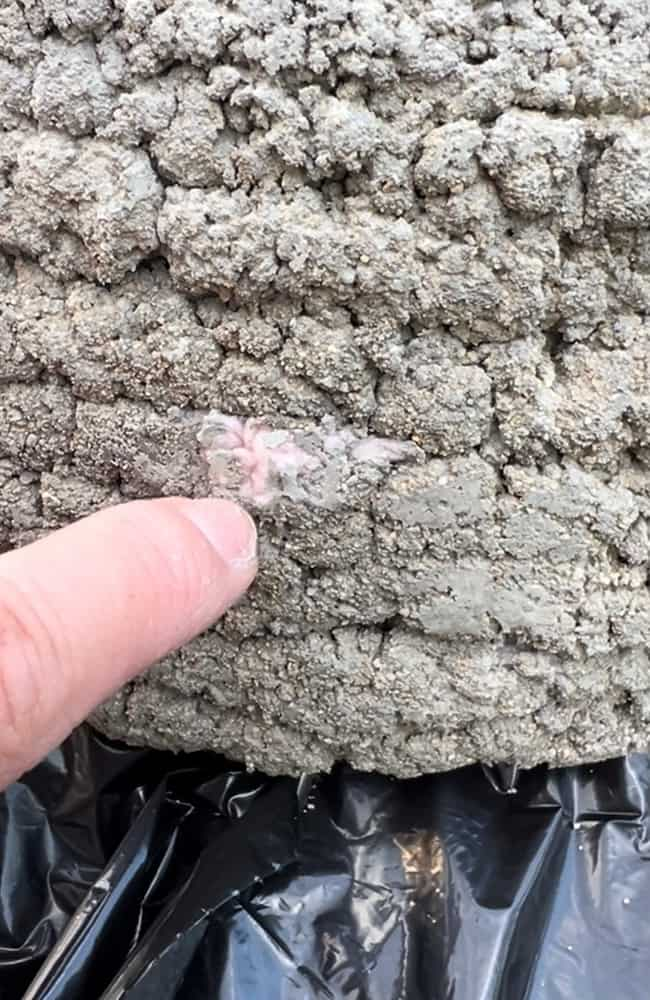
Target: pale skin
x=88 y=607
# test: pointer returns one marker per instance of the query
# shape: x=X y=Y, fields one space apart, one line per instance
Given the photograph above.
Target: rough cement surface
x=423 y=221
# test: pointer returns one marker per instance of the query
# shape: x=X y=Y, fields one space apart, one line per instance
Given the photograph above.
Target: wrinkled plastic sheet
x=139 y=874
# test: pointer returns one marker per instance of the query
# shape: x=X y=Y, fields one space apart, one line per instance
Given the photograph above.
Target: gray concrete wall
x=427 y=222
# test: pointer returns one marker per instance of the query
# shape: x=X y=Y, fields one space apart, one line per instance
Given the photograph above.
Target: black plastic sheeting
x=138 y=874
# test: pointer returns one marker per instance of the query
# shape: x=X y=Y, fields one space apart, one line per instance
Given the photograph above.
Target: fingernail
x=229 y=529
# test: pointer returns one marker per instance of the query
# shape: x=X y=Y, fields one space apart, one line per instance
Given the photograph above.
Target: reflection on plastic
x=136 y=874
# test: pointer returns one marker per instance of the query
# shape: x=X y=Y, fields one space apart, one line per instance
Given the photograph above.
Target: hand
x=88 y=607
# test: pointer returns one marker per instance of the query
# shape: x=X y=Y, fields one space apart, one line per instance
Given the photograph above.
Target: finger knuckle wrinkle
x=19 y=669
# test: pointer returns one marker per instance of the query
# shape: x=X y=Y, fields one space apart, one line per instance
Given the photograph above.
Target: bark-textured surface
x=427 y=221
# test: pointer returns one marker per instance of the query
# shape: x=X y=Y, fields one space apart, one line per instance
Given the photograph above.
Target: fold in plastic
x=138 y=874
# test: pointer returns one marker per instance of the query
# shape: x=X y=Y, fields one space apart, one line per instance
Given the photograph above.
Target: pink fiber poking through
x=269 y=461
x=261 y=456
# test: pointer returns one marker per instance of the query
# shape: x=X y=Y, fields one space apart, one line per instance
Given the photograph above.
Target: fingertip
x=90 y=606
x=202 y=554
x=229 y=529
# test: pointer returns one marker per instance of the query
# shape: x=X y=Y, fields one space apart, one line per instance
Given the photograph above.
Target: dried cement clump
x=366 y=219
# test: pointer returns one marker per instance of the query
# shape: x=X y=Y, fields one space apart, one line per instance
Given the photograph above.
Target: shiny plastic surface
x=136 y=874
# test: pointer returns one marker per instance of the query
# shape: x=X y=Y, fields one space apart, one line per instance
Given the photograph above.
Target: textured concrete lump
x=423 y=221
